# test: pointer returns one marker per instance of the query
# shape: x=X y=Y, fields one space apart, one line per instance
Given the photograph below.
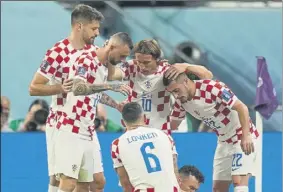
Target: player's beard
x=89 y=40
x=112 y=60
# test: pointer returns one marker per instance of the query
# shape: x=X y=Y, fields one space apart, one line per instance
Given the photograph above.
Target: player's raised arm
x=114 y=73
x=107 y=100
x=178 y=68
x=80 y=87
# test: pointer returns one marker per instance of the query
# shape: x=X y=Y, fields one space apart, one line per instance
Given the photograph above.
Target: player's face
x=147 y=63
x=179 y=91
x=90 y=31
x=189 y=184
x=118 y=54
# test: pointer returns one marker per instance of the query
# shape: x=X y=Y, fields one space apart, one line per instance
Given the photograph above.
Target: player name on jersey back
x=142 y=137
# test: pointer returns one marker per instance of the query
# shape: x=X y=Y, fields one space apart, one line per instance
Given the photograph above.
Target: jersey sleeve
x=174 y=150
x=178 y=112
x=85 y=69
x=117 y=162
x=50 y=63
x=129 y=69
x=225 y=96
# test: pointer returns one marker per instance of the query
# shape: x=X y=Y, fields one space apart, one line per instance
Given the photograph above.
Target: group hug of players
x=76 y=73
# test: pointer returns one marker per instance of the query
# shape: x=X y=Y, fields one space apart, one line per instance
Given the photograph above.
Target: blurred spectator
x=5 y=114
x=35 y=119
x=103 y=124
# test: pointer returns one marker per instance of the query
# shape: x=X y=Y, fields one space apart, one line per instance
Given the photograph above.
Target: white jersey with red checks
x=151 y=94
x=147 y=156
x=56 y=67
x=79 y=111
x=212 y=103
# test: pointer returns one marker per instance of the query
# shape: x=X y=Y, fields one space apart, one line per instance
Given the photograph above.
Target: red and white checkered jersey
x=212 y=103
x=147 y=156
x=79 y=111
x=56 y=67
x=151 y=94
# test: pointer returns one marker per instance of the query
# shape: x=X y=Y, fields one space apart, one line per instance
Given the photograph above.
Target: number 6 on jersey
x=149 y=158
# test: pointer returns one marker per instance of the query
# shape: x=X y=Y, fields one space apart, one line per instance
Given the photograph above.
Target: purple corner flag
x=266 y=101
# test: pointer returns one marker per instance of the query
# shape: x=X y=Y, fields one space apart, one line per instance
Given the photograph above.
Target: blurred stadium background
x=224 y=36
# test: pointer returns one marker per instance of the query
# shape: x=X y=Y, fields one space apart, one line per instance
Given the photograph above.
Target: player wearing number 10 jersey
x=142 y=156
x=145 y=74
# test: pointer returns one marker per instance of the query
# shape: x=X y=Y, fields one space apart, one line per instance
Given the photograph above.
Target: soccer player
x=145 y=74
x=52 y=76
x=190 y=178
x=76 y=141
x=142 y=156
x=219 y=108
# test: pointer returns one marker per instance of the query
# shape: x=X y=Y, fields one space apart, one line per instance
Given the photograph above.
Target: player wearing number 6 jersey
x=145 y=74
x=143 y=157
x=219 y=108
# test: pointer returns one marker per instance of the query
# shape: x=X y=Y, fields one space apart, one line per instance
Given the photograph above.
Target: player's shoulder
x=208 y=84
x=60 y=45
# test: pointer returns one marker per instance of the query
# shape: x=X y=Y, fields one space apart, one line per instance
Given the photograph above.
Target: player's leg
x=222 y=168
x=98 y=176
x=69 y=153
x=53 y=183
x=242 y=168
x=86 y=171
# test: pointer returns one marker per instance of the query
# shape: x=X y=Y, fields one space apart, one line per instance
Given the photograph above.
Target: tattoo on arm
x=107 y=100
x=83 y=88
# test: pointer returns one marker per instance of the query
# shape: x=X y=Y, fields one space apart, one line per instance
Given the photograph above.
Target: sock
x=52 y=188
x=241 y=189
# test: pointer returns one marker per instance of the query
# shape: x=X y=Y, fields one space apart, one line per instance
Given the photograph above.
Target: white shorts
x=97 y=158
x=73 y=156
x=231 y=160
x=50 y=137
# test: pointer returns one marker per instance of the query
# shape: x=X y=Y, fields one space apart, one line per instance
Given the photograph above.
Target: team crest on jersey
x=74 y=168
x=81 y=71
x=148 y=84
x=226 y=95
x=44 y=65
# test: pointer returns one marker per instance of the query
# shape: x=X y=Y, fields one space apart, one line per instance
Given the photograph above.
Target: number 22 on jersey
x=151 y=161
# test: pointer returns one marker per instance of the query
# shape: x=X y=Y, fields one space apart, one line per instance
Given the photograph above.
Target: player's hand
x=67 y=85
x=247 y=144
x=173 y=72
x=122 y=88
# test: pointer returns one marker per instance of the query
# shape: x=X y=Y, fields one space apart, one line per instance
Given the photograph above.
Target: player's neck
x=76 y=42
x=135 y=126
x=192 y=89
x=102 y=56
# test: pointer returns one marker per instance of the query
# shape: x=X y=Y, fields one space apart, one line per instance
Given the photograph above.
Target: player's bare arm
x=175 y=161
x=107 y=100
x=114 y=73
x=178 y=68
x=124 y=179
x=80 y=87
x=39 y=86
x=243 y=113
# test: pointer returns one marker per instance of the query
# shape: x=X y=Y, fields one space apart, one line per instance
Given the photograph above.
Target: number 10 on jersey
x=146 y=104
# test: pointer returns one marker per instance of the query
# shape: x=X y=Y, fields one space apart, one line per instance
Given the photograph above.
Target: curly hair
x=188 y=170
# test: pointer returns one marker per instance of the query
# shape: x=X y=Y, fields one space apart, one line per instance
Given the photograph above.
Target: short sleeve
x=117 y=162
x=85 y=69
x=225 y=96
x=51 y=63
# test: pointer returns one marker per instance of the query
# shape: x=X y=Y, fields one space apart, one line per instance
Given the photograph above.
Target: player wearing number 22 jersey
x=219 y=108
x=142 y=156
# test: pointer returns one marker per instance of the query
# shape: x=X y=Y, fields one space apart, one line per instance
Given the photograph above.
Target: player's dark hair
x=167 y=81
x=85 y=13
x=132 y=112
x=188 y=170
x=148 y=47
x=124 y=38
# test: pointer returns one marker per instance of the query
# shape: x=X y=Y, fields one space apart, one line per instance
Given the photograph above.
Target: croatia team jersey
x=212 y=103
x=56 y=67
x=147 y=156
x=151 y=94
x=79 y=111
